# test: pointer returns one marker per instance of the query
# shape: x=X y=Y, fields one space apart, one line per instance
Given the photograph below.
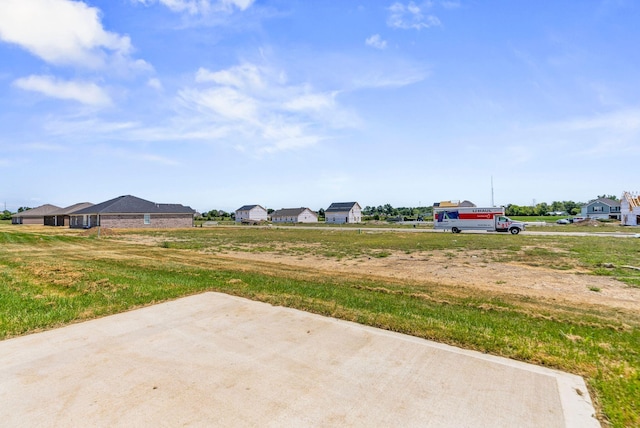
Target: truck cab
x=505 y=224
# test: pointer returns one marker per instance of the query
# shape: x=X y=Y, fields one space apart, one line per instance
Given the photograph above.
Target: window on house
x=597 y=208
x=147 y=219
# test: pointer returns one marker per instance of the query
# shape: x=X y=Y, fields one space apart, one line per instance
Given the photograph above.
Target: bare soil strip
x=470 y=271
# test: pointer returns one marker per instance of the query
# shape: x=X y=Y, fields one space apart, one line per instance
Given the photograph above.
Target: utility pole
x=492 y=202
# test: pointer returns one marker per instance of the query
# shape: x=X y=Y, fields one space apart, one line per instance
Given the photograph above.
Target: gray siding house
x=343 y=212
x=602 y=208
x=251 y=213
x=294 y=215
x=132 y=212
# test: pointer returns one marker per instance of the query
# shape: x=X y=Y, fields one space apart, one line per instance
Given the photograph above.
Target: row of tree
x=6 y=214
x=387 y=211
x=567 y=207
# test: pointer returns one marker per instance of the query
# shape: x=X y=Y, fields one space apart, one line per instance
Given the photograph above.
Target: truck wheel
x=455 y=230
x=514 y=230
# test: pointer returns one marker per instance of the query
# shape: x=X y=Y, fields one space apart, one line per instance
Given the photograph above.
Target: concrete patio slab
x=218 y=360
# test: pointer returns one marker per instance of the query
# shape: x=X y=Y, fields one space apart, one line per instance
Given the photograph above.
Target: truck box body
x=458 y=219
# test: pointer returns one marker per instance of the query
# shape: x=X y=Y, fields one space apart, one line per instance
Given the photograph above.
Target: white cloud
x=376 y=41
x=222 y=103
x=155 y=83
x=311 y=102
x=84 y=92
x=260 y=109
x=410 y=16
x=72 y=126
x=607 y=135
x=244 y=76
x=201 y=7
x=64 y=32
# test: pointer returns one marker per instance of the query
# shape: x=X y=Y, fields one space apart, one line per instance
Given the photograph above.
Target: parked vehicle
x=491 y=219
x=563 y=221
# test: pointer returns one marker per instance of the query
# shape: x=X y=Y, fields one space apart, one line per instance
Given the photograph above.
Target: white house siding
x=305 y=216
x=345 y=217
x=630 y=209
x=256 y=213
x=341 y=217
x=354 y=215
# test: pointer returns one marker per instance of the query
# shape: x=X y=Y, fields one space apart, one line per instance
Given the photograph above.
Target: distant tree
x=389 y=210
x=518 y=210
x=572 y=208
x=6 y=215
x=321 y=213
x=557 y=206
x=612 y=197
x=21 y=209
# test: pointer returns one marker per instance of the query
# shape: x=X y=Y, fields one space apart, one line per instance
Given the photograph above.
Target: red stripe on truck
x=478 y=216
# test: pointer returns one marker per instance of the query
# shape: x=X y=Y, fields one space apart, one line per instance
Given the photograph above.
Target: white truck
x=458 y=219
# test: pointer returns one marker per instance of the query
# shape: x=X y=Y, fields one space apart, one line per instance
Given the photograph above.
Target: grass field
x=55 y=276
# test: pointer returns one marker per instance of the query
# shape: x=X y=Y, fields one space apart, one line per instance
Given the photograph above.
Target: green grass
x=557 y=252
x=52 y=279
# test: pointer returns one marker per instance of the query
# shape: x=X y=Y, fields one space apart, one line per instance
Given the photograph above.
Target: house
x=452 y=204
x=61 y=217
x=630 y=209
x=251 y=213
x=604 y=208
x=294 y=215
x=343 y=212
x=130 y=212
x=34 y=215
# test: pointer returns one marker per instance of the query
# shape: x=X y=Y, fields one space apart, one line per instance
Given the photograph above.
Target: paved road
x=431 y=230
x=217 y=360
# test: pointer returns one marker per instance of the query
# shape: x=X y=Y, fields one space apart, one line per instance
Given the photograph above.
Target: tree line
x=387 y=211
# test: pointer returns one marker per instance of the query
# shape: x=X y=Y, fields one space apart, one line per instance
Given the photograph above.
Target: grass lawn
x=54 y=276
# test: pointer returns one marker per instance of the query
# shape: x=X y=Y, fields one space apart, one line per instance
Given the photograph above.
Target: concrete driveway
x=218 y=360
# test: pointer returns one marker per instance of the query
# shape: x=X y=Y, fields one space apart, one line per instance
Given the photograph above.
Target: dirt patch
x=474 y=271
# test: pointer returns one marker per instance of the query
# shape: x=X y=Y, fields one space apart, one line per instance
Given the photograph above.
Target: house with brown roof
x=34 y=215
x=294 y=215
x=62 y=217
x=132 y=212
x=454 y=204
x=343 y=212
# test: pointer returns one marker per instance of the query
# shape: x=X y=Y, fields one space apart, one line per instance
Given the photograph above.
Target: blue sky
x=221 y=103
